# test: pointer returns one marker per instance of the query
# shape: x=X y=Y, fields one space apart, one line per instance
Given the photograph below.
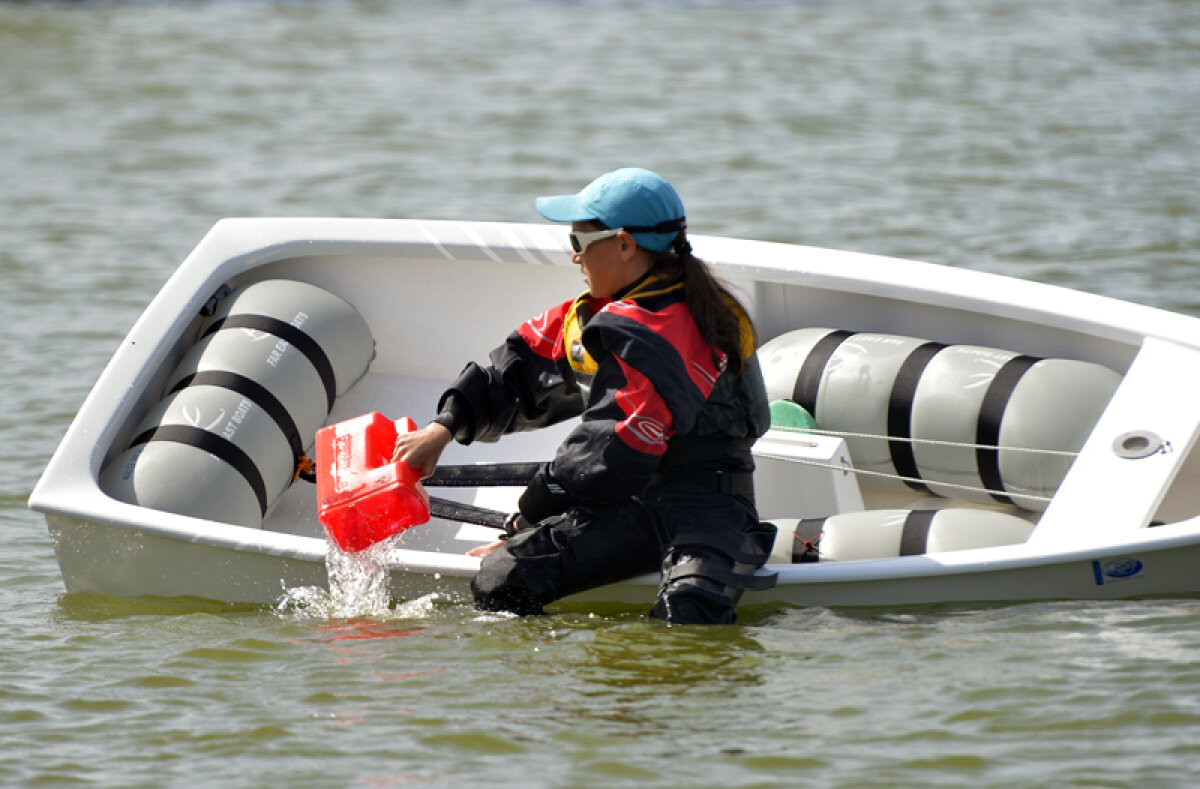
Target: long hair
x=713 y=307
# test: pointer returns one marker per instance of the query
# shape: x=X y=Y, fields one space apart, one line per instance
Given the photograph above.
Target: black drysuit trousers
x=706 y=543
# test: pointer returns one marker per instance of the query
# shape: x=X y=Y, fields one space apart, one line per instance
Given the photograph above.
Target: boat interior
x=428 y=318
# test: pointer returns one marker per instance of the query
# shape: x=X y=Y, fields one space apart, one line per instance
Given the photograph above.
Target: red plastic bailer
x=362 y=497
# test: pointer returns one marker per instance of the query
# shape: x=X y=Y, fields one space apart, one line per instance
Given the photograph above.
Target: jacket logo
x=539 y=325
x=647 y=429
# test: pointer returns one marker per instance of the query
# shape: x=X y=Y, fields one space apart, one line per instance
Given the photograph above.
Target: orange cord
x=304 y=467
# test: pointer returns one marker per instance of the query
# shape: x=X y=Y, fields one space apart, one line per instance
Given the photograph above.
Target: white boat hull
x=1095 y=540
x=116 y=560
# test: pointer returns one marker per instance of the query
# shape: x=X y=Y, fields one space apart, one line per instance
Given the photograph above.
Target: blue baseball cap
x=641 y=202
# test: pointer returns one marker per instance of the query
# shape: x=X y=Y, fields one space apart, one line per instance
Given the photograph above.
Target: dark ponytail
x=713 y=307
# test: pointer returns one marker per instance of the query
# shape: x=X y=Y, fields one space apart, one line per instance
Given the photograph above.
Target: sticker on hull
x=1114 y=570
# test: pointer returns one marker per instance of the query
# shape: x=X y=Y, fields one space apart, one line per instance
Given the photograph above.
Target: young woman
x=657 y=357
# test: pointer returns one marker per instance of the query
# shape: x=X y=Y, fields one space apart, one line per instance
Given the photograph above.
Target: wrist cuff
x=455 y=416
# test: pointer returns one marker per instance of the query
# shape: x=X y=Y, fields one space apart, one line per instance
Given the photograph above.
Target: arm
x=528 y=385
x=525 y=387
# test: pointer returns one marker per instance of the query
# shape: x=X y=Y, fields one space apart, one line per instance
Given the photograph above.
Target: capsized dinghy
x=977 y=438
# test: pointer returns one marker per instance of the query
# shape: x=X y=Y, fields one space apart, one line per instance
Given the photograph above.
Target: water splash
x=358 y=586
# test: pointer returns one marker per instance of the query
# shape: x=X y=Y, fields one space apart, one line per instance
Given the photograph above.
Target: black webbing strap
x=899 y=417
x=710 y=569
x=808 y=379
x=805 y=540
x=483 y=475
x=740 y=548
x=467 y=513
x=915 y=535
x=289 y=333
x=671 y=225
x=215 y=445
x=248 y=387
x=991 y=413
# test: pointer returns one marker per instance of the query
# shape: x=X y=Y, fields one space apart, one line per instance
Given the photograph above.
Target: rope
x=928 y=441
x=887 y=475
x=306 y=469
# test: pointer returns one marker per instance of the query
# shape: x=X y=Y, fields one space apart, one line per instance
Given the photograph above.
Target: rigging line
x=888 y=475
x=929 y=441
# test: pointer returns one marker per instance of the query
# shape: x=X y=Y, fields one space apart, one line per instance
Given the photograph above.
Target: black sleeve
x=518 y=391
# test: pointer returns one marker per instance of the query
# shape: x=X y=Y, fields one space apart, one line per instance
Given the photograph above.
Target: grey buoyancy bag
x=922 y=413
x=244 y=404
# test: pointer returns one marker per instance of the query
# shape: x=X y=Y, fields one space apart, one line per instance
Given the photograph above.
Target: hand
x=484 y=550
x=513 y=524
x=421 y=449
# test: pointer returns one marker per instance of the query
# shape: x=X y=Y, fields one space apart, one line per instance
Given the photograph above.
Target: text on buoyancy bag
x=281 y=345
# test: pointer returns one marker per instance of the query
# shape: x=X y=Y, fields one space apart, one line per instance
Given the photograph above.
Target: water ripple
x=1053 y=141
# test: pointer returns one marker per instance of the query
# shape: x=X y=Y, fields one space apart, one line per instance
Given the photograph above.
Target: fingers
x=421 y=449
x=406 y=445
x=484 y=550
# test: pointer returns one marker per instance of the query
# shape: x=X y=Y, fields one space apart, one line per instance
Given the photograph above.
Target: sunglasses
x=582 y=239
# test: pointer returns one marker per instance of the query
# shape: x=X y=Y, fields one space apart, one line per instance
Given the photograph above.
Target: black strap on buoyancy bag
x=805 y=541
x=213 y=444
x=287 y=332
x=262 y=397
x=899 y=417
x=808 y=378
x=914 y=537
x=991 y=413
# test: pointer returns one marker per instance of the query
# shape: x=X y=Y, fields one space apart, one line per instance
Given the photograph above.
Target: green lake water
x=1051 y=141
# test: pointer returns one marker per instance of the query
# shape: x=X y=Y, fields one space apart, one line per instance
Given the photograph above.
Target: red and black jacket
x=643 y=380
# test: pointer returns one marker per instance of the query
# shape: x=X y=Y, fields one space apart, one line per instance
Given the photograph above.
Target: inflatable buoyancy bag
x=244 y=404
x=787 y=415
x=981 y=409
x=877 y=534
